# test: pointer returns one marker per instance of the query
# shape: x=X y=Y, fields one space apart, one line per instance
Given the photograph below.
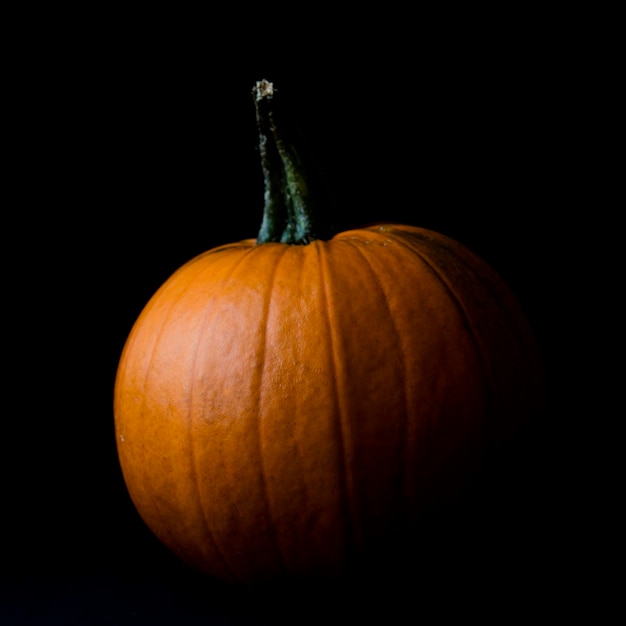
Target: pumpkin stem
x=290 y=212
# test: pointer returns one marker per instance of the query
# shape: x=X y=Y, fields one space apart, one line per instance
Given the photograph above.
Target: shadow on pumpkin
x=473 y=554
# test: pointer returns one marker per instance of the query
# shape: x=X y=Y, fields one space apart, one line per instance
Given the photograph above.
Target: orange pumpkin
x=278 y=407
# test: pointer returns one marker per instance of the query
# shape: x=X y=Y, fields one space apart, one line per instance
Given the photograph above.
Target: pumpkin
x=282 y=403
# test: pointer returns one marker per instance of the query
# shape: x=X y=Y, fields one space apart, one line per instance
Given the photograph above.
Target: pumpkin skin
x=278 y=408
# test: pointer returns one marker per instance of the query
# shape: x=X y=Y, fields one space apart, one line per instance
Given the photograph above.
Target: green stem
x=289 y=214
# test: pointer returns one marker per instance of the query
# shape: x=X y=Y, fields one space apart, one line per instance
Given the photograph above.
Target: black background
x=135 y=149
